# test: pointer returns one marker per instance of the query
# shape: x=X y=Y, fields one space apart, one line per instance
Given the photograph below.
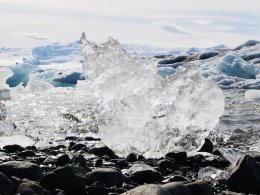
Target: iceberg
x=139 y=111
x=21 y=73
x=233 y=65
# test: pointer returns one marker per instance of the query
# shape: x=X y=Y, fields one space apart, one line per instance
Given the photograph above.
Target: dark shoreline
x=76 y=169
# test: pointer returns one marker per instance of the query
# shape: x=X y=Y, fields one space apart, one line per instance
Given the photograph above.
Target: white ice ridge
x=139 y=111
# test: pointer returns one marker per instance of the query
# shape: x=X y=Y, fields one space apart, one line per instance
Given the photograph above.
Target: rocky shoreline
x=85 y=166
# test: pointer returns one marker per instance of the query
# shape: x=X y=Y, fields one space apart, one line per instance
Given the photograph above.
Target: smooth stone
x=245 y=176
x=165 y=164
x=174 y=60
x=6 y=186
x=30 y=188
x=177 y=156
x=102 y=151
x=207 y=55
x=99 y=162
x=122 y=163
x=26 y=153
x=13 y=148
x=149 y=189
x=21 y=169
x=132 y=157
x=78 y=147
x=176 y=188
x=92 y=139
x=79 y=165
x=107 y=176
x=145 y=176
x=73 y=138
x=200 y=188
x=63 y=178
x=62 y=159
x=140 y=157
x=31 y=148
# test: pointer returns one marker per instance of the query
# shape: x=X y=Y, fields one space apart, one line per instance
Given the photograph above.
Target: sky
x=164 y=23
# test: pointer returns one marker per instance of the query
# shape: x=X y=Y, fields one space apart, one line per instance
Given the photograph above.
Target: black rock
x=99 y=162
x=62 y=159
x=13 y=148
x=102 y=150
x=174 y=60
x=31 y=148
x=92 y=139
x=177 y=156
x=78 y=147
x=21 y=169
x=30 y=188
x=64 y=179
x=245 y=176
x=79 y=165
x=256 y=158
x=121 y=163
x=165 y=164
x=6 y=186
x=107 y=176
x=73 y=138
x=140 y=157
x=149 y=189
x=208 y=55
x=146 y=176
x=200 y=188
x=176 y=188
x=132 y=157
x=207 y=146
x=26 y=153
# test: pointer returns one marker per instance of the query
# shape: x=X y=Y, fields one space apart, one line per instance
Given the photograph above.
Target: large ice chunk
x=233 y=65
x=140 y=111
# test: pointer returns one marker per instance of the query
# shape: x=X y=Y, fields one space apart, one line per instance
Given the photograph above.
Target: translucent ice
x=4 y=74
x=233 y=65
x=212 y=172
x=139 y=111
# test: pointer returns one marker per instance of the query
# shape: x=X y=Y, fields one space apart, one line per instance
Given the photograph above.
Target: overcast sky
x=161 y=23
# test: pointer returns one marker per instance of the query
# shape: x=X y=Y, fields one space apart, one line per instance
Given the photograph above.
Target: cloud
x=37 y=37
x=201 y=22
x=171 y=28
x=225 y=28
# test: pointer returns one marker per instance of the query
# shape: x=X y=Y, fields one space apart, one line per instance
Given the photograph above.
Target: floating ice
x=21 y=74
x=139 y=111
x=233 y=65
